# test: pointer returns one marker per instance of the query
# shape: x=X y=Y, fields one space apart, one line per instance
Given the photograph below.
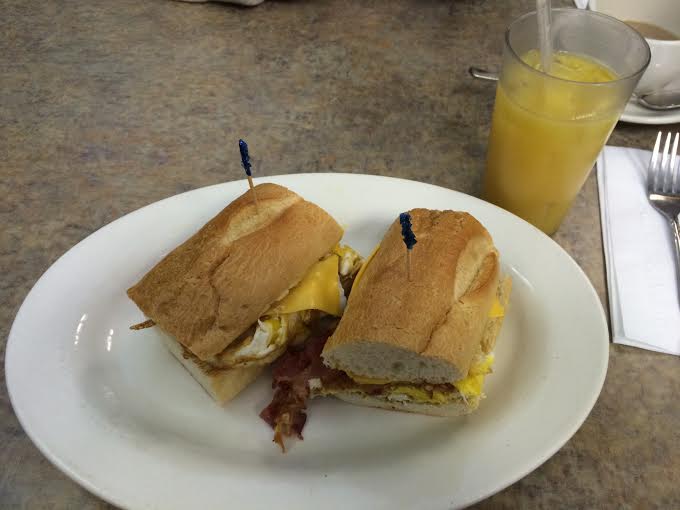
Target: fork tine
x=674 y=168
x=651 y=170
x=664 y=165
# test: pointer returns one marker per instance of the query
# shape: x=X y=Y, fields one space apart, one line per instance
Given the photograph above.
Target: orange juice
x=546 y=134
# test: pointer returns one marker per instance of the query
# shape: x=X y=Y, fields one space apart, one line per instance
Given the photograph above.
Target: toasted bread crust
x=214 y=286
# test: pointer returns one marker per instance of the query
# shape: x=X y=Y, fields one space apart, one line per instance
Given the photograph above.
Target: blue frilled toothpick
x=409 y=239
x=245 y=161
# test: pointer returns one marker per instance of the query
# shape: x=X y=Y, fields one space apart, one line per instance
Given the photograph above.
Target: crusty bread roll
x=214 y=286
x=221 y=385
x=428 y=329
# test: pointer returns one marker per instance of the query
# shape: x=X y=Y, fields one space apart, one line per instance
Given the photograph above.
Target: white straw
x=544 y=38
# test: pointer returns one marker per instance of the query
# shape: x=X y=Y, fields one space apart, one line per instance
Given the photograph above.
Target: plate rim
x=648 y=119
x=120 y=501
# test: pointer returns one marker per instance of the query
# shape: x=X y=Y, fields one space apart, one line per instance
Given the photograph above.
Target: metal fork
x=663 y=190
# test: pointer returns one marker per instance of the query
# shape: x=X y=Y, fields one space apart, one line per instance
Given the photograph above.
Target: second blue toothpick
x=409 y=239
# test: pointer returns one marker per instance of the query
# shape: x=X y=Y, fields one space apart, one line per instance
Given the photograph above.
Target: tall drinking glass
x=548 y=129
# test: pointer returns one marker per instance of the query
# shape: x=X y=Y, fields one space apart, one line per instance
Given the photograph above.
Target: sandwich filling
x=467 y=390
x=320 y=292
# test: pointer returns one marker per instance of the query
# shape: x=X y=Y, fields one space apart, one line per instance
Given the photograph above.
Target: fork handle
x=675 y=226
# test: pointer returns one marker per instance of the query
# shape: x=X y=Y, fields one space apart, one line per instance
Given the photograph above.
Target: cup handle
x=482 y=74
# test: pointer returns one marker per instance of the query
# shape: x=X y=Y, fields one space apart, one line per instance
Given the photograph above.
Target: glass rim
x=586 y=12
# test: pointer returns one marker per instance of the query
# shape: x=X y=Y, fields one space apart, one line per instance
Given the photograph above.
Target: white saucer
x=636 y=114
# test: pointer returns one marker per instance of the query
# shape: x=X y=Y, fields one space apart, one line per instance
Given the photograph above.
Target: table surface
x=108 y=106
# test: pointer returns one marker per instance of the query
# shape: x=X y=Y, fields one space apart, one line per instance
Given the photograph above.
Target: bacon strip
x=286 y=413
x=143 y=325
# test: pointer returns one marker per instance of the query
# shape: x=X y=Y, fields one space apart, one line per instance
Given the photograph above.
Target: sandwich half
x=249 y=283
x=423 y=345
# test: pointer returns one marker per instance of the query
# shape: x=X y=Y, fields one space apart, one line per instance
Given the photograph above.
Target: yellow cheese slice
x=366 y=380
x=318 y=290
x=471 y=386
x=360 y=273
x=497 y=309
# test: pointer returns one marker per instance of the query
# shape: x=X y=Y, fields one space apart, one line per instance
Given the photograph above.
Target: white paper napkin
x=638 y=247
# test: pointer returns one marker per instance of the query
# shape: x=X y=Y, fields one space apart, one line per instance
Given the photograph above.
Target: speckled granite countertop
x=108 y=106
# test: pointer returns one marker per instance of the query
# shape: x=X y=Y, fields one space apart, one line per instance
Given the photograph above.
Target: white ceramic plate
x=113 y=410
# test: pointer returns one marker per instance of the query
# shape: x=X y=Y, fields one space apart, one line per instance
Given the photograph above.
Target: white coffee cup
x=664 y=69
